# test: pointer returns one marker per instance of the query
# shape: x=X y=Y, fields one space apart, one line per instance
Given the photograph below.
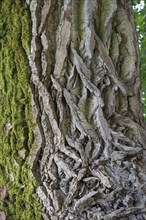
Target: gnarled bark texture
x=89 y=148
x=85 y=82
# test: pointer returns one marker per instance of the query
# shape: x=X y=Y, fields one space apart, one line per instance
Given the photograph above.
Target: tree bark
x=89 y=138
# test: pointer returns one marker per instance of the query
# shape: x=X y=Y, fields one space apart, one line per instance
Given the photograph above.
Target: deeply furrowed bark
x=89 y=148
x=85 y=82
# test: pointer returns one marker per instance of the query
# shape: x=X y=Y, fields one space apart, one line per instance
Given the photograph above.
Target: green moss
x=15 y=109
x=26 y=29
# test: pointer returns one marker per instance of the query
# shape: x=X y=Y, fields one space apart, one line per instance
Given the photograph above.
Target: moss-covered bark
x=16 y=122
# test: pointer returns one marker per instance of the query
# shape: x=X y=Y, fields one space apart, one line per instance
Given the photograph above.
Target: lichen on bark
x=89 y=120
x=89 y=137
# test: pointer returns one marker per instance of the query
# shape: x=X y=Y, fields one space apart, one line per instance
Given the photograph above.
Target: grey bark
x=90 y=138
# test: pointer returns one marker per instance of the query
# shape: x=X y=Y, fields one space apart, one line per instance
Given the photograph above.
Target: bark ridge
x=85 y=85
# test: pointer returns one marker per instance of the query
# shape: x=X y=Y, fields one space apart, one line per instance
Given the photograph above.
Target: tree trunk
x=89 y=135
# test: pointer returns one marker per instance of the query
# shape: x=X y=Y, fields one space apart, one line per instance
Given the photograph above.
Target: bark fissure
x=89 y=110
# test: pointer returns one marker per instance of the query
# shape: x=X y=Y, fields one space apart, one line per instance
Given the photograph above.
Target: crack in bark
x=89 y=167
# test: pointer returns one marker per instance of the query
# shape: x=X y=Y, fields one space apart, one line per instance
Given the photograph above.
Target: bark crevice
x=89 y=111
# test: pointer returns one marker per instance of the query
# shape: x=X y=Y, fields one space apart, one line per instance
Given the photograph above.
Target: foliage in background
x=140 y=17
x=15 y=106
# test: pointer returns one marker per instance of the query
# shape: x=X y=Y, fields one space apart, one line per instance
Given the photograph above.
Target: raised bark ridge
x=85 y=83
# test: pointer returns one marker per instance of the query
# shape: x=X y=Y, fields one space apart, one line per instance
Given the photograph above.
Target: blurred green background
x=140 y=18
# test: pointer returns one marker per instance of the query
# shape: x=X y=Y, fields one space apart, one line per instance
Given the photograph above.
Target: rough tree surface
x=89 y=139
